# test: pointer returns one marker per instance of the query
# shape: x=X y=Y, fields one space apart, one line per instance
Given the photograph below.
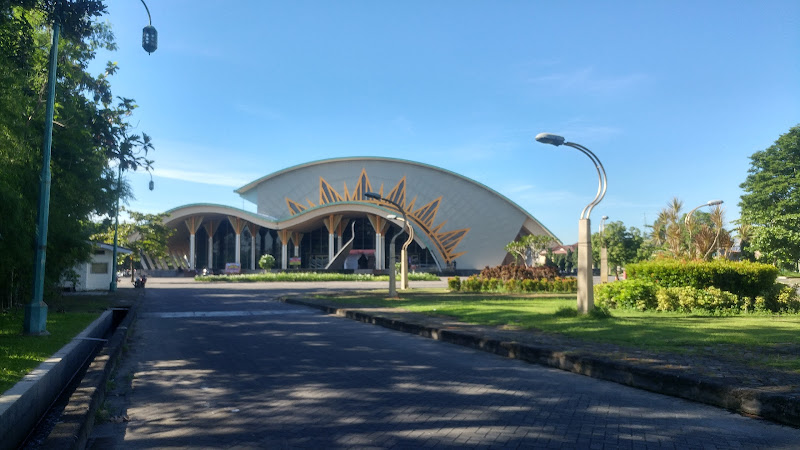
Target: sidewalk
x=714 y=379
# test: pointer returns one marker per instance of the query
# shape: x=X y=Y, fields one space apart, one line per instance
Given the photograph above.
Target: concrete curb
x=77 y=420
x=771 y=406
x=23 y=404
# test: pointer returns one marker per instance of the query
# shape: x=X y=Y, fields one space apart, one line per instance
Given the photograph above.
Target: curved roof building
x=317 y=216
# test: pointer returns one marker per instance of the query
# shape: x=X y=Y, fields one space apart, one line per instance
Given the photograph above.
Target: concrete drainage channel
x=91 y=354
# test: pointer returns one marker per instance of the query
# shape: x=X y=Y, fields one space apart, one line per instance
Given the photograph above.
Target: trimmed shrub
x=530 y=285
x=570 y=284
x=513 y=278
x=744 y=279
x=492 y=284
x=515 y=272
x=454 y=284
x=472 y=284
x=780 y=298
x=689 y=299
x=513 y=286
x=626 y=294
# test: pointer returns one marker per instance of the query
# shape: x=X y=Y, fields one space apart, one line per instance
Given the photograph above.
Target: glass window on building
x=99 y=268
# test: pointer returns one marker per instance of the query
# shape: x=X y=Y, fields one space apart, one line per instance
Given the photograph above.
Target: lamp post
x=35 y=320
x=603 y=251
x=392 y=275
x=404 y=251
x=688 y=218
x=149 y=44
x=585 y=293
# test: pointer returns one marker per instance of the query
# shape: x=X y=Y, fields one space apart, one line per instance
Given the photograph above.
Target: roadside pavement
x=729 y=379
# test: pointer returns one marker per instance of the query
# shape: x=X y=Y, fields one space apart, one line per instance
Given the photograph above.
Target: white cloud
x=520 y=188
x=586 y=80
x=216 y=178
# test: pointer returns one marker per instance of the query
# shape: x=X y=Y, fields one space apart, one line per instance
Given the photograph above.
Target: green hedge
x=626 y=294
x=745 y=279
x=477 y=284
x=649 y=295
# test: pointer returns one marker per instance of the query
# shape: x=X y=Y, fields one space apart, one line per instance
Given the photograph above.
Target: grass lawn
x=775 y=337
x=66 y=317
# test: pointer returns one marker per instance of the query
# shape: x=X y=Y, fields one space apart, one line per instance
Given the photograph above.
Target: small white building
x=95 y=275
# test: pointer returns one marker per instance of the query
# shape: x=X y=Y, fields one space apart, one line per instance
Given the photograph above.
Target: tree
x=668 y=229
x=91 y=137
x=266 y=262
x=528 y=247
x=623 y=245
x=518 y=250
x=144 y=233
x=697 y=236
x=771 y=202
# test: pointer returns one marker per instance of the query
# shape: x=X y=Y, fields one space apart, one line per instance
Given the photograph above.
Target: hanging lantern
x=149 y=39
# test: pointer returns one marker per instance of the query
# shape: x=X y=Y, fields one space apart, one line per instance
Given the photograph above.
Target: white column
x=378 y=251
x=253 y=252
x=296 y=250
x=284 y=256
x=211 y=252
x=585 y=289
x=238 y=248
x=331 y=248
x=191 y=251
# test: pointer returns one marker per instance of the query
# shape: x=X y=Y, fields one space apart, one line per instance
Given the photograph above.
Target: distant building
x=94 y=275
x=316 y=216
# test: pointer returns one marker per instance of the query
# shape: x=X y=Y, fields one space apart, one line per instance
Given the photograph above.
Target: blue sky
x=673 y=97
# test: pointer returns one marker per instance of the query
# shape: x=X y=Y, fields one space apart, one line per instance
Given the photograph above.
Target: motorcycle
x=139 y=282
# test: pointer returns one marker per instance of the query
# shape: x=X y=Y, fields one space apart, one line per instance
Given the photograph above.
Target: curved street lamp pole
x=687 y=220
x=404 y=257
x=392 y=274
x=585 y=280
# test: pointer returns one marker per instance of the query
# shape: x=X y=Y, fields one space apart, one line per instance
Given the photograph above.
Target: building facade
x=317 y=216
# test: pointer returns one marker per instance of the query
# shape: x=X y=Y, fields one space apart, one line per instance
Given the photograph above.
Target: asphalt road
x=226 y=366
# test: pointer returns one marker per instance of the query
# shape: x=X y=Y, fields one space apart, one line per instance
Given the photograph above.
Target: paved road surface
x=227 y=366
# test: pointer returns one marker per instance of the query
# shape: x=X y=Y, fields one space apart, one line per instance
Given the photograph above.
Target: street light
x=688 y=218
x=404 y=252
x=603 y=251
x=35 y=320
x=392 y=275
x=585 y=282
x=149 y=34
x=708 y=203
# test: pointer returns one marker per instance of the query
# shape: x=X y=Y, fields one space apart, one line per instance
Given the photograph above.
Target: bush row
x=515 y=272
x=744 y=279
x=477 y=284
x=311 y=276
x=648 y=295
